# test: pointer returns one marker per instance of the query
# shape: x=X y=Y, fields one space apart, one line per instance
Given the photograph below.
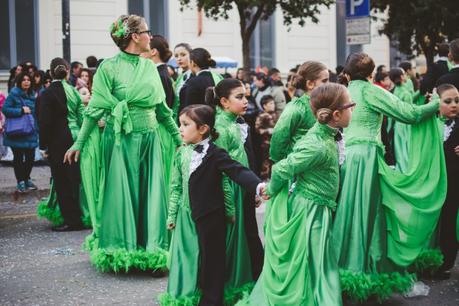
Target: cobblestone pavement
x=41 y=267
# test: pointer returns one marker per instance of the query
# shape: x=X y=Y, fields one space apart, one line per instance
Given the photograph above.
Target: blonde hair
x=123 y=27
x=308 y=71
x=326 y=99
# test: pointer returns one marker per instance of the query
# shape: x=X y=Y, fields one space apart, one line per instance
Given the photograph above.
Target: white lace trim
x=341 y=146
x=244 y=127
x=448 y=130
x=196 y=158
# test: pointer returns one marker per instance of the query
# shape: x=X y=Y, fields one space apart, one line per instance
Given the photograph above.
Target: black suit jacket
x=167 y=85
x=205 y=183
x=452 y=161
x=196 y=88
x=434 y=72
x=55 y=135
x=452 y=77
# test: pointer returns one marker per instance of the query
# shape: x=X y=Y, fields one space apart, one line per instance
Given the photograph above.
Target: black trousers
x=67 y=184
x=211 y=231
x=448 y=243
x=251 y=233
x=23 y=162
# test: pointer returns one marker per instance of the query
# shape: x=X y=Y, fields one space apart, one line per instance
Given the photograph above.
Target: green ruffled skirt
x=300 y=265
x=133 y=205
x=402 y=137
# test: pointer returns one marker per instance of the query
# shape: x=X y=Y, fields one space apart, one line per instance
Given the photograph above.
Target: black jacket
x=205 y=183
x=452 y=160
x=452 y=77
x=55 y=135
x=434 y=72
x=167 y=85
x=196 y=88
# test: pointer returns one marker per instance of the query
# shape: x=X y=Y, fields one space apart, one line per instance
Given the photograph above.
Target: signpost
x=358 y=30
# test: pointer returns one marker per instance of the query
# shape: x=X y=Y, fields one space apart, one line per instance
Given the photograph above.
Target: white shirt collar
x=442 y=58
x=199 y=72
x=196 y=157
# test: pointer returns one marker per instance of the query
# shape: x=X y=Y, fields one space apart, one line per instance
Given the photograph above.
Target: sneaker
x=21 y=187
x=30 y=185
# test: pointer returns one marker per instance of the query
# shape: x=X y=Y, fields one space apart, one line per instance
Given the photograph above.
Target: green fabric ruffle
x=52 y=214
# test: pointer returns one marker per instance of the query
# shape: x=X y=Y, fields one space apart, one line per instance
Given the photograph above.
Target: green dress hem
x=53 y=214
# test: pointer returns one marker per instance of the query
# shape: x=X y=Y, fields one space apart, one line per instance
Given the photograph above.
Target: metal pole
x=66 y=29
x=341 y=46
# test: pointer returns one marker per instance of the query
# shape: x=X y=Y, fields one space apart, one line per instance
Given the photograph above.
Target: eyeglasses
x=449 y=100
x=146 y=31
x=347 y=106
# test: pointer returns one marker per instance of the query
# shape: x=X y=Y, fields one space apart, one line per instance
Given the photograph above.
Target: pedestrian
x=449 y=230
x=372 y=238
x=262 y=87
x=14 y=72
x=297 y=117
x=3 y=149
x=91 y=63
x=197 y=213
x=300 y=267
x=382 y=80
x=85 y=79
x=244 y=249
x=201 y=62
x=20 y=108
x=410 y=76
x=38 y=81
x=60 y=114
x=75 y=68
x=182 y=58
x=130 y=228
x=264 y=126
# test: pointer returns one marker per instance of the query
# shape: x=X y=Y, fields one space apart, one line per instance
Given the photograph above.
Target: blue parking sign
x=357 y=8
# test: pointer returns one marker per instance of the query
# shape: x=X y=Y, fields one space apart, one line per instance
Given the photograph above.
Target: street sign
x=357 y=8
x=358 y=31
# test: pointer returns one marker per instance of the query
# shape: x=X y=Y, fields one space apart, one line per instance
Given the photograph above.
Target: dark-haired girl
x=198 y=210
x=244 y=249
x=20 y=102
x=297 y=117
x=384 y=218
x=200 y=64
x=131 y=209
x=182 y=58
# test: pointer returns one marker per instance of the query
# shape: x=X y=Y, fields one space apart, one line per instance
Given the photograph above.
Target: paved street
x=40 y=267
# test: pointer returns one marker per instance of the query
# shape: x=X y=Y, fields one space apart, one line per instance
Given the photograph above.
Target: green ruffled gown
x=294 y=122
x=132 y=192
x=183 y=263
x=238 y=264
x=49 y=208
x=300 y=266
x=385 y=218
x=402 y=131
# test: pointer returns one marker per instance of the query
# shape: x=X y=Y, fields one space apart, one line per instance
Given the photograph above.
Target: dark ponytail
x=201 y=57
x=222 y=90
x=59 y=68
x=159 y=43
x=202 y=115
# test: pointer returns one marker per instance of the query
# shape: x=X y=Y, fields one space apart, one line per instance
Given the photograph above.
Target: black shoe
x=442 y=275
x=67 y=228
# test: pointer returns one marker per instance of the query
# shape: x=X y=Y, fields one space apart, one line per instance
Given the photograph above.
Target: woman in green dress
x=300 y=266
x=297 y=117
x=132 y=200
x=182 y=58
x=385 y=218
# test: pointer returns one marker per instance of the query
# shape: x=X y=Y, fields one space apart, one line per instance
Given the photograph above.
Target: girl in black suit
x=201 y=62
x=197 y=211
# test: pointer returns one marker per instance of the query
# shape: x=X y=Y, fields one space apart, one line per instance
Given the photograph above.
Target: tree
x=252 y=11
x=419 y=25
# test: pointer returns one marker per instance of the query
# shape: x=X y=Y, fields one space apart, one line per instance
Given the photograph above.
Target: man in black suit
x=436 y=70
x=452 y=77
x=55 y=140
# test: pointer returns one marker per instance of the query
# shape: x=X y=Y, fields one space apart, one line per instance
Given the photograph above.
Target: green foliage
x=419 y=25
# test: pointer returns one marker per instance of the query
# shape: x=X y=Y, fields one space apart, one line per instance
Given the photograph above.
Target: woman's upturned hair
x=326 y=99
x=202 y=115
x=159 y=43
x=359 y=66
x=59 y=68
x=122 y=29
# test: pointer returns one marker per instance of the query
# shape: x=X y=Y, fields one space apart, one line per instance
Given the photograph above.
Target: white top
x=448 y=130
x=196 y=157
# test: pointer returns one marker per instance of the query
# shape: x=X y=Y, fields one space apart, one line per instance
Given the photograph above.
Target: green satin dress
x=300 y=266
x=238 y=264
x=294 y=122
x=402 y=131
x=132 y=192
x=384 y=217
x=48 y=208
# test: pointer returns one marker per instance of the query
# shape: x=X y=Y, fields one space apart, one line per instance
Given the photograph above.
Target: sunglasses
x=345 y=106
x=146 y=31
x=449 y=100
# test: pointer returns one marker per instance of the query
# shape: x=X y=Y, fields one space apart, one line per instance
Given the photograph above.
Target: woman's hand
x=231 y=219
x=170 y=226
x=26 y=110
x=456 y=150
x=71 y=156
x=101 y=123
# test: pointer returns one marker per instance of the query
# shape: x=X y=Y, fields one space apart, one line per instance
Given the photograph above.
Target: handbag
x=20 y=126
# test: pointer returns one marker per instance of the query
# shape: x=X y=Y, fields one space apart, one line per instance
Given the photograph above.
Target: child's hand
x=231 y=219
x=170 y=226
x=456 y=150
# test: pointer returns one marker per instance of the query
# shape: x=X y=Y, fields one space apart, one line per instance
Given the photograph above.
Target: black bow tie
x=240 y=120
x=449 y=122
x=199 y=148
x=338 y=136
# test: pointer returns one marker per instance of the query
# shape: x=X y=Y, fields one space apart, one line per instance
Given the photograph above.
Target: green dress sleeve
x=388 y=104
x=281 y=140
x=306 y=156
x=164 y=115
x=175 y=189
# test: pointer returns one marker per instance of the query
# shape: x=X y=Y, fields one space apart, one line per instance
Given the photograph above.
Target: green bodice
x=229 y=137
